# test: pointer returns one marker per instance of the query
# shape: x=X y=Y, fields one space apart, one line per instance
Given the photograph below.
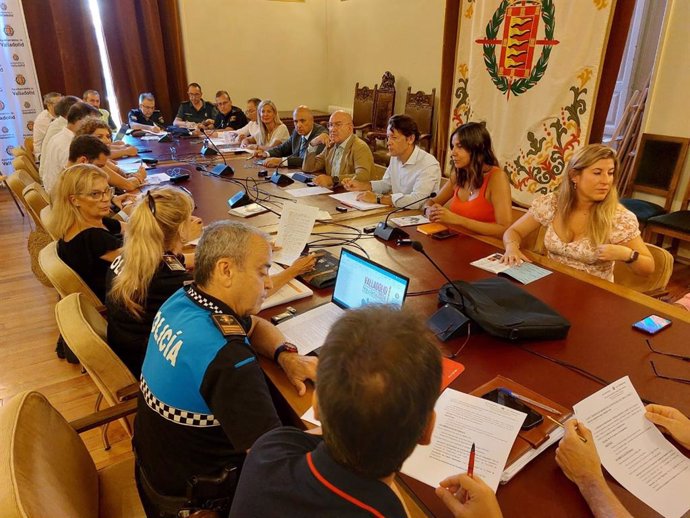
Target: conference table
x=600 y=344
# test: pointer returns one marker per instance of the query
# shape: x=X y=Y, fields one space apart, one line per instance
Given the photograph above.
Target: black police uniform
x=291 y=473
x=128 y=335
x=234 y=119
x=188 y=113
x=136 y=115
x=204 y=399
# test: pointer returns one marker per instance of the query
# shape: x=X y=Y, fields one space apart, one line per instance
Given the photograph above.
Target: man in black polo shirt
x=378 y=380
x=146 y=117
x=229 y=117
x=204 y=399
x=195 y=111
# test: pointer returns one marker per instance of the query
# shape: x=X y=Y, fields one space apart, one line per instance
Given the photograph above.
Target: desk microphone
x=448 y=320
x=223 y=169
x=387 y=233
x=279 y=178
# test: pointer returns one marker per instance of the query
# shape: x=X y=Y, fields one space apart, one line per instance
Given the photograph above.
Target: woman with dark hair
x=478 y=190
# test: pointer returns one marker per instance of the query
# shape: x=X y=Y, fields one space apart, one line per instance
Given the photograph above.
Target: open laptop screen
x=361 y=281
x=121 y=133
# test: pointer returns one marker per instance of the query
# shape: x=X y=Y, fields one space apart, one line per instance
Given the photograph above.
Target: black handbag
x=505 y=310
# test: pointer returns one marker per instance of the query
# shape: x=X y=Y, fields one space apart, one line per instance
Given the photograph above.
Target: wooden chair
x=384 y=103
x=653 y=285
x=65 y=280
x=420 y=106
x=84 y=331
x=36 y=199
x=675 y=225
x=363 y=108
x=46 y=470
x=658 y=165
x=23 y=162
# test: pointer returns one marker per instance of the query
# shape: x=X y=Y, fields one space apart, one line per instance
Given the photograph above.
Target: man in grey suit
x=293 y=151
x=346 y=155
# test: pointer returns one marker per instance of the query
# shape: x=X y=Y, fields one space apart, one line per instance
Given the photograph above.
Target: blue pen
x=530 y=401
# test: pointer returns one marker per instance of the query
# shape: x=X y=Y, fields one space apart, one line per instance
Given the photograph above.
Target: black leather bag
x=505 y=310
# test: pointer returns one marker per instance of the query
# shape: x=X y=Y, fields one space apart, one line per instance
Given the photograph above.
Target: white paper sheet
x=308 y=331
x=634 y=451
x=308 y=416
x=307 y=191
x=462 y=419
x=409 y=221
x=157 y=178
x=293 y=290
x=294 y=228
x=350 y=199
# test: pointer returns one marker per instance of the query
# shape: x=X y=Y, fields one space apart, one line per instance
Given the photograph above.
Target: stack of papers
x=307 y=191
x=350 y=199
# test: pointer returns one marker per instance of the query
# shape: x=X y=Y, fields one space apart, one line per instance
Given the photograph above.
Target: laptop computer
x=121 y=133
x=360 y=281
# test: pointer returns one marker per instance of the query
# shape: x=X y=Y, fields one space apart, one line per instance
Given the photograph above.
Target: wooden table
x=601 y=340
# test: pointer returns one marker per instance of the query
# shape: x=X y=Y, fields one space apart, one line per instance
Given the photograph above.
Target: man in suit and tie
x=346 y=155
x=293 y=151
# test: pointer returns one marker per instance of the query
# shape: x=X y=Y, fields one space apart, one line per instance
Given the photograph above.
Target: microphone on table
x=223 y=169
x=448 y=320
x=387 y=233
x=279 y=178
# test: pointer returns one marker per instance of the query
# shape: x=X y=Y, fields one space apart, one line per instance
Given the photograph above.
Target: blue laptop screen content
x=361 y=282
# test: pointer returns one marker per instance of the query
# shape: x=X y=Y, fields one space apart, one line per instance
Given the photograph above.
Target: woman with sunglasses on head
x=149 y=270
x=88 y=240
x=478 y=190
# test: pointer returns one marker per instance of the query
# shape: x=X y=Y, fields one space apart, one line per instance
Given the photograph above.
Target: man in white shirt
x=56 y=153
x=251 y=129
x=44 y=119
x=413 y=174
x=60 y=121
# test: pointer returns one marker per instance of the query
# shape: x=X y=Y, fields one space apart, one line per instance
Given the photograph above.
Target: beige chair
x=36 y=199
x=16 y=182
x=655 y=284
x=29 y=148
x=85 y=332
x=65 y=280
x=23 y=162
x=46 y=470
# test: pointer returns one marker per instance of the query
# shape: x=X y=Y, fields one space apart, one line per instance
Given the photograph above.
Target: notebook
x=360 y=281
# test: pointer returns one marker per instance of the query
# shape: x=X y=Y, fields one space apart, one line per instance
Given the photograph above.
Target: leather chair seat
x=642 y=209
x=679 y=220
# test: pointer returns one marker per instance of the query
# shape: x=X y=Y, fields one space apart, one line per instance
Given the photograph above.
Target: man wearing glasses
x=292 y=151
x=346 y=155
x=229 y=117
x=195 y=111
x=146 y=117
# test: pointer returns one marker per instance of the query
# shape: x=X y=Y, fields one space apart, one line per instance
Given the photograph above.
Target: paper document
x=294 y=228
x=634 y=451
x=307 y=191
x=409 y=221
x=308 y=331
x=350 y=199
x=525 y=273
x=462 y=419
x=246 y=211
x=130 y=165
x=156 y=178
x=293 y=290
x=309 y=417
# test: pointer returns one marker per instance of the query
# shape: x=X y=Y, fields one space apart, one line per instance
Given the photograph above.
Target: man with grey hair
x=204 y=399
x=93 y=98
x=146 y=117
x=44 y=119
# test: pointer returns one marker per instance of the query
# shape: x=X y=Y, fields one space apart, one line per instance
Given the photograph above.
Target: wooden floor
x=28 y=333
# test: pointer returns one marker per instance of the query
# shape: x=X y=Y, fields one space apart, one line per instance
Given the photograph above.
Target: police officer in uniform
x=229 y=117
x=204 y=399
x=146 y=116
x=195 y=111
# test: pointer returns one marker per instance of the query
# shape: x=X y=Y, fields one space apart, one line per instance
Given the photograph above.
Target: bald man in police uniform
x=204 y=397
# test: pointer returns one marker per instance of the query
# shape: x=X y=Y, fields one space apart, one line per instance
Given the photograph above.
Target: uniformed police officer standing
x=204 y=399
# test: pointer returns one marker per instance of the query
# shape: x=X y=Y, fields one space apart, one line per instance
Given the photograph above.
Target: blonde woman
x=116 y=176
x=88 y=240
x=150 y=269
x=586 y=227
x=272 y=131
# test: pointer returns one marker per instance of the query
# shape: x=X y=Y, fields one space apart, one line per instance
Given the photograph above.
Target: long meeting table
x=601 y=340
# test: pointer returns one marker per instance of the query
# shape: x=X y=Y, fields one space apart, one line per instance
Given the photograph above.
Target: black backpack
x=505 y=310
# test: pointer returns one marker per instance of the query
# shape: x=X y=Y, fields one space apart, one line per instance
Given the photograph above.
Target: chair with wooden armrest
x=46 y=470
x=36 y=199
x=363 y=108
x=675 y=225
x=24 y=162
x=65 y=280
x=653 y=285
x=85 y=332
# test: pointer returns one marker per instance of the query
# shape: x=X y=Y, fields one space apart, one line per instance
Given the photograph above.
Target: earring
x=574 y=186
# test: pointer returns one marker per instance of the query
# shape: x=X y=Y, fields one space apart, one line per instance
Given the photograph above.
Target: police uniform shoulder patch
x=228 y=325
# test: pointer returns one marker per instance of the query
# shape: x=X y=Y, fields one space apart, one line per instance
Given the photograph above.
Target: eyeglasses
x=101 y=195
x=193 y=95
x=337 y=125
x=672 y=355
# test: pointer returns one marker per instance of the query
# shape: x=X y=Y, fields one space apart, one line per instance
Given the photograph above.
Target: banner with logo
x=530 y=69
x=20 y=97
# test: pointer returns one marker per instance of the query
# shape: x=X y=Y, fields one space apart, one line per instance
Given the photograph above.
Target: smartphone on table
x=533 y=418
x=652 y=324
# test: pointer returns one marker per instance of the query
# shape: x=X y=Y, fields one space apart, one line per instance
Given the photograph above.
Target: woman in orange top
x=478 y=190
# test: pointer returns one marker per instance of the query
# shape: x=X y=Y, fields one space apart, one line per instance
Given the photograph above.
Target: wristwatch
x=378 y=199
x=633 y=257
x=285 y=347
